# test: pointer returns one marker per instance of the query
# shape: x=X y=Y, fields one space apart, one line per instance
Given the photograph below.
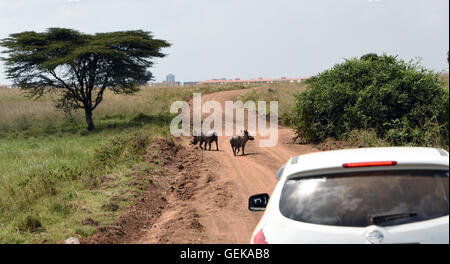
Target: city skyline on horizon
x=223 y=78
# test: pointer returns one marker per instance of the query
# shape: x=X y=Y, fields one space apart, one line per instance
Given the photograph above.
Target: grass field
x=57 y=179
x=21 y=117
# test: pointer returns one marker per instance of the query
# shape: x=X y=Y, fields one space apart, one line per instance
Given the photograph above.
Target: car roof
x=336 y=158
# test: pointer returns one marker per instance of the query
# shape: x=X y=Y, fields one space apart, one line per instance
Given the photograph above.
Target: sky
x=251 y=38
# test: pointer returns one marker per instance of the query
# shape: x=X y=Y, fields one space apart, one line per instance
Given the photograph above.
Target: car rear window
x=356 y=199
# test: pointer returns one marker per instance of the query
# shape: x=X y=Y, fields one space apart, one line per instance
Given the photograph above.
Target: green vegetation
x=57 y=179
x=78 y=68
x=50 y=185
x=400 y=102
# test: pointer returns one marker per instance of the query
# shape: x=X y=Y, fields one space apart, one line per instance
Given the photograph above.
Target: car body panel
x=280 y=229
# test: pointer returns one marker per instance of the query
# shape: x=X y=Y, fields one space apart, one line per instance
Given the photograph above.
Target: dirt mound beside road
x=149 y=205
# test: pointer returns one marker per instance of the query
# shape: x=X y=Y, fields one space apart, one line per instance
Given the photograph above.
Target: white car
x=353 y=196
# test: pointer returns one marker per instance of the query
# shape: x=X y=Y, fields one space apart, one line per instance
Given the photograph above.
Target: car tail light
x=369 y=164
x=260 y=238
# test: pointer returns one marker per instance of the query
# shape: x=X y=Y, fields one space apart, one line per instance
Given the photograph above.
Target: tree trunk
x=89 y=121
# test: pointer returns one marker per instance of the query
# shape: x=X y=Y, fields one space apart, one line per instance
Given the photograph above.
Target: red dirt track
x=208 y=202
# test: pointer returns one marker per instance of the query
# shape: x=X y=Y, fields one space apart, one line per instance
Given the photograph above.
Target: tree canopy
x=79 y=67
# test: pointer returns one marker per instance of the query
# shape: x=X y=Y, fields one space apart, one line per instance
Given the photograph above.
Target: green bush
x=402 y=102
x=121 y=147
x=30 y=223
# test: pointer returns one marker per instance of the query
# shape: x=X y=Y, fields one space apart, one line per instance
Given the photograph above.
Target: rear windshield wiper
x=380 y=219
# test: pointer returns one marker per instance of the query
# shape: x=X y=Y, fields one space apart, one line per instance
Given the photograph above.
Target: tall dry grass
x=283 y=93
x=18 y=113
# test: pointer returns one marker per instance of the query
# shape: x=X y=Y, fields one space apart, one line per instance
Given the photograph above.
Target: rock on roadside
x=72 y=240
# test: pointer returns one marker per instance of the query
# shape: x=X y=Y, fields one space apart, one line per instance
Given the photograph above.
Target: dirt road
x=219 y=184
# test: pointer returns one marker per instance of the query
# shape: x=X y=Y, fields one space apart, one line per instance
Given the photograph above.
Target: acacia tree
x=79 y=67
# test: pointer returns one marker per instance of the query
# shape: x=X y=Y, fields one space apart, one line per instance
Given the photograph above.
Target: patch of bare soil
x=193 y=188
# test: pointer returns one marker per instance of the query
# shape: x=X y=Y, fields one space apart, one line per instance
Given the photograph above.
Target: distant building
x=170 y=81
x=190 y=83
x=170 y=78
x=152 y=84
x=254 y=81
